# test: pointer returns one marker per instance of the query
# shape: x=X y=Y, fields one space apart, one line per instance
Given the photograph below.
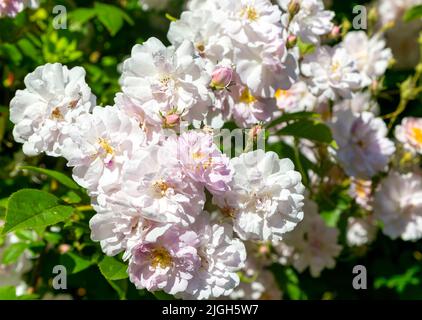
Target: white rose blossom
x=360 y=231
x=398 y=204
x=101 y=143
x=311 y=20
x=222 y=256
x=331 y=72
x=371 y=56
x=409 y=133
x=45 y=110
x=312 y=245
x=266 y=198
x=363 y=147
x=11 y=274
x=163 y=81
x=11 y=8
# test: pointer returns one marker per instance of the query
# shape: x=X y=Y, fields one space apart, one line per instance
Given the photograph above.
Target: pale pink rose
x=222 y=256
x=165 y=259
x=409 y=133
x=202 y=161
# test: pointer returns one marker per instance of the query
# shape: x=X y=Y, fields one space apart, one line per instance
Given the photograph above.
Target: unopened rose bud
x=293 y=8
x=171 y=120
x=291 y=41
x=335 y=32
x=256 y=131
x=221 y=78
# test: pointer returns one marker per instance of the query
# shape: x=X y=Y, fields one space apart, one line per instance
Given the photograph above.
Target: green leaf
x=12 y=52
x=82 y=15
x=4 y=109
x=294 y=116
x=74 y=263
x=30 y=208
x=112 y=269
x=60 y=177
x=111 y=17
x=332 y=217
x=8 y=293
x=413 y=13
x=400 y=282
x=120 y=286
x=308 y=129
x=12 y=253
x=29 y=50
x=26 y=235
x=71 y=197
x=305 y=48
x=3 y=206
x=161 y=295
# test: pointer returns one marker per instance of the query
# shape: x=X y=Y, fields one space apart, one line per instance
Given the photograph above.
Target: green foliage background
x=99 y=36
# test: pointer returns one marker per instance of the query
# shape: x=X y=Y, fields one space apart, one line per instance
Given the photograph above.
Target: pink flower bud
x=335 y=32
x=171 y=120
x=255 y=131
x=221 y=78
x=291 y=41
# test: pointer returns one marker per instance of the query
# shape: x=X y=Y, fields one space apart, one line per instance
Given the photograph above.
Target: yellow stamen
x=56 y=114
x=73 y=104
x=161 y=187
x=228 y=211
x=165 y=80
x=334 y=67
x=417 y=134
x=161 y=257
x=250 y=13
x=247 y=97
x=104 y=144
x=280 y=93
x=360 y=188
x=198 y=155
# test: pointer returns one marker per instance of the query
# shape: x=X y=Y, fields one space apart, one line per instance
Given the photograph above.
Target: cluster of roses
x=230 y=60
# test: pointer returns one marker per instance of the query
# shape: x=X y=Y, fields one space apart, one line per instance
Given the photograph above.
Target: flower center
x=335 y=67
x=56 y=114
x=228 y=211
x=247 y=97
x=250 y=13
x=105 y=145
x=360 y=189
x=198 y=155
x=160 y=257
x=316 y=244
x=280 y=93
x=165 y=80
x=200 y=47
x=161 y=187
x=417 y=135
x=72 y=104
